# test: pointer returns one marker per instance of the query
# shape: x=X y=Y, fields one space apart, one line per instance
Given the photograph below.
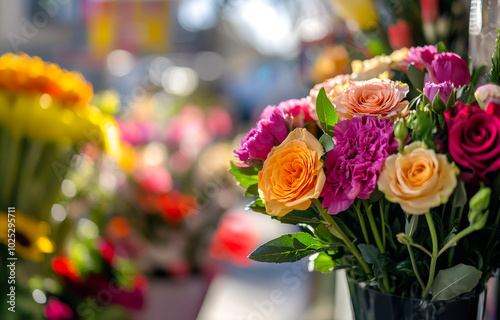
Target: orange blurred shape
x=66 y=268
x=332 y=61
x=175 y=206
x=235 y=239
x=119 y=227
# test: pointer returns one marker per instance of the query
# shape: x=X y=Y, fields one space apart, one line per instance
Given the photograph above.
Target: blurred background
x=159 y=229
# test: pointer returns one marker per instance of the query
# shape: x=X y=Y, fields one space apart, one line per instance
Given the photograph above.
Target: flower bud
x=403 y=238
x=487 y=93
x=439 y=95
x=400 y=130
x=481 y=200
x=477 y=219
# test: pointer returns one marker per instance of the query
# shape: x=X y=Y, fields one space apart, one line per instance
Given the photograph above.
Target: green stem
x=415 y=268
x=457 y=237
x=432 y=269
x=362 y=223
x=380 y=246
x=382 y=218
x=421 y=248
x=350 y=245
x=373 y=226
x=11 y=168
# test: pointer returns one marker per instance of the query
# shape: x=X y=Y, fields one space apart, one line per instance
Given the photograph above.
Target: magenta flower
x=354 y=165
x=298 y=110
x=272 y=129
x=420 y=56
x=57 y=310
x=448 y=66
x=444 y=88
x=268 y=133
x=474 y=140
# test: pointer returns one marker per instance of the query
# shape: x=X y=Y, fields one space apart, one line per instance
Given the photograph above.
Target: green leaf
x=416 y=76
x=454 y=281
x=257 y=206
x=253 y=190
x=324 y=234
x=460 y=195
x=326 y=112
x=246 y=176
x=441 y=47
x=300 y=216
x=372 y=256
x=327 y=142
x=476 y=74
x=411 y=226
x=494 y=74
x=288 y=248
x=323 y=263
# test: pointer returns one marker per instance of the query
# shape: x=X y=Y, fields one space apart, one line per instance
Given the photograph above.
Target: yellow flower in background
x=22 y=73
x=377 y=67
x=43 y=102
x=31 y=236
x=363 y=12
x=332 y=61
x=292 y=174
x=418 y=179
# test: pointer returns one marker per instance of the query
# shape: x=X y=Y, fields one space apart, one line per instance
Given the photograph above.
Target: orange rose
x=374 y=98
x=292 y=174
x=418 y=179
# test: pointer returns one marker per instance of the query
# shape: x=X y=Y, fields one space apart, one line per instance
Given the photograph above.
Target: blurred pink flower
x=57 y=310
x=154 y=179
x=136 y=133
x=420 y=56
x=219 y=122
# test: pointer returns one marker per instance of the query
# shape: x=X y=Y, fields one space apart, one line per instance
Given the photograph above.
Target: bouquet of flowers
x=402 y=194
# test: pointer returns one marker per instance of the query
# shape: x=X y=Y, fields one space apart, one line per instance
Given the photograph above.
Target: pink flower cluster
x=446 y=66
x=273 y=127
x=354 y=165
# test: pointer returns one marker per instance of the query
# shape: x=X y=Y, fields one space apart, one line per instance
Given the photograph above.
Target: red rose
x=474 y=140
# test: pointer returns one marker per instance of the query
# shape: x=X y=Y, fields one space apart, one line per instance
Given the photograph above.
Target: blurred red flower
x=400 y=35
x=235 y=239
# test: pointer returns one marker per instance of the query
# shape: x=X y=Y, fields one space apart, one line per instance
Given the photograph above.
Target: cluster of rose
x=356 y=164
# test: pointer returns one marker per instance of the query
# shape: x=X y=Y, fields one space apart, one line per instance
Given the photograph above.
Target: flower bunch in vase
x=401 y=193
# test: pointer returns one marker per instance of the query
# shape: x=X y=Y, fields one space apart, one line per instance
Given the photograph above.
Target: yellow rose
x=418 y=179
x=292 y=174
x=377 y=67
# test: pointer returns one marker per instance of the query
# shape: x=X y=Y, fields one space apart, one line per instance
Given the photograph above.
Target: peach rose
x=418 y=179
x=374 y=98
x=292 y=174
x=329 y=85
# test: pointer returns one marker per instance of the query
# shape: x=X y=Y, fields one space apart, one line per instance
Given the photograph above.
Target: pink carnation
x=273 y=127
x=354 y=165
x=420 y=56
